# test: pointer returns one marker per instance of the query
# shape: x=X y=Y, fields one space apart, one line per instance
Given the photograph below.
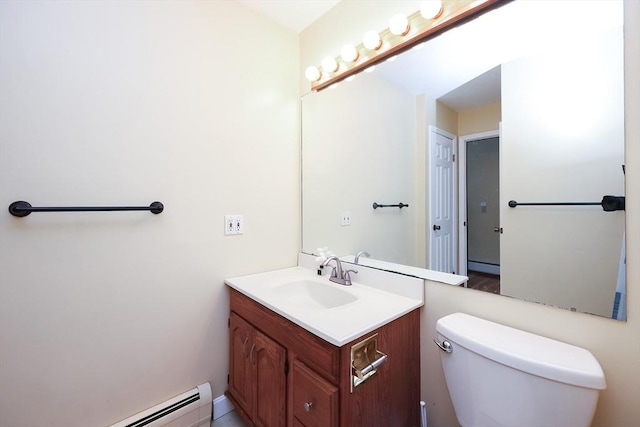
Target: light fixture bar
x=454 y=12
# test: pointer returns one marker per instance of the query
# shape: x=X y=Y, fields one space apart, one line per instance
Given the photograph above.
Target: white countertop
x=338 y=325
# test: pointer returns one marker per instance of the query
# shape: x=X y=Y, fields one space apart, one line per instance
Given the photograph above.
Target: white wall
x=124 y=103
x=615 y=344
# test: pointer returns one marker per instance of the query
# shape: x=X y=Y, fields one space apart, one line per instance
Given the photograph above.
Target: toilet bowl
x=501 y=376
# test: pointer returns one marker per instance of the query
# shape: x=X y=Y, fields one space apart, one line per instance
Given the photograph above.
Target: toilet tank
x=501 y=376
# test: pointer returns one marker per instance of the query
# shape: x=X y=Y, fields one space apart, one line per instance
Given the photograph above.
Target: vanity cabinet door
x=269 y=359
x=257 y=377
x=241 y=385
x=315 y=401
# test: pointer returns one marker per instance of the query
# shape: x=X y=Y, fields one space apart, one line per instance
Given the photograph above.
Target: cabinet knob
x=308 y=406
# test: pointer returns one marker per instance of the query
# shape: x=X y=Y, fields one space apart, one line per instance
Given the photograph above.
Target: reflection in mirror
x=530 y=115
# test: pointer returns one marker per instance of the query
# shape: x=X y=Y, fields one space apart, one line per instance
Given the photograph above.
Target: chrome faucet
x=361 y=253
x=337 y=274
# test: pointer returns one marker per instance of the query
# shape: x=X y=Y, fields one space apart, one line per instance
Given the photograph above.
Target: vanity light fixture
x=330 y=65
x=349 y=53
x=372 y=40
x=312 y=73
x=399 y=25
x=431 y=9
x=433 y=18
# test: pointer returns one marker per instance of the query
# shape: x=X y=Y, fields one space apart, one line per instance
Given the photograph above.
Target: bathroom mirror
x=533 y=113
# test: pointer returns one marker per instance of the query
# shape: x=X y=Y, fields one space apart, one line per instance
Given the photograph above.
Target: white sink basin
x=337 y=314
x=314 y=294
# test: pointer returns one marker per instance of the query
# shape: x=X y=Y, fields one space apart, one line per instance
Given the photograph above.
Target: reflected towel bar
x=608 y=203
x=399 y=205
x=22 y=208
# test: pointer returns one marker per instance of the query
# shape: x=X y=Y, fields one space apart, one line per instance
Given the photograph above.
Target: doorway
x=479 y=214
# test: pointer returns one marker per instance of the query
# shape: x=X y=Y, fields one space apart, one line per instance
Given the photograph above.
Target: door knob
x=436 y=227
x=497 y=229
x=308 y=406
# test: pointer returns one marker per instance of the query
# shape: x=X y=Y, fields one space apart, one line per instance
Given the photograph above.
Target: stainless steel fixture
x=359 y=254
x=342 y=277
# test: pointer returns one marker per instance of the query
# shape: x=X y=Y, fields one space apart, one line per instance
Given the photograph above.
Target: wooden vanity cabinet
x=281 y=375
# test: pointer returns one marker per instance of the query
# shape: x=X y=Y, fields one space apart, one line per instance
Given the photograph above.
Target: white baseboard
x=221 y=406
x=483 y=267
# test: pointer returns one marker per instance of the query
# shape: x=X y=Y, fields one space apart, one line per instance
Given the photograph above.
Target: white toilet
x=501 y=376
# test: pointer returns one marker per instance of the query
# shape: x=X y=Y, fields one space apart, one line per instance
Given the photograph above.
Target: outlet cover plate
x=233 y=224
x=345 y=218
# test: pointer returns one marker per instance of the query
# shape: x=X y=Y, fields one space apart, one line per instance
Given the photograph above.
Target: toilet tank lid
x=524 y=351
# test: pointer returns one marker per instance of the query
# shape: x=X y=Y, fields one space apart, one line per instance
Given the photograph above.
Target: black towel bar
x=608 y=203
x=399 y=205
x=22 y=208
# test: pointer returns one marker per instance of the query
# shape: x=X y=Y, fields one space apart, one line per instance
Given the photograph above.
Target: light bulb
x=349 y=53
x=431 y=9
x=372 y=40
x=399 y=25
x=329 y=64
x=312 y=74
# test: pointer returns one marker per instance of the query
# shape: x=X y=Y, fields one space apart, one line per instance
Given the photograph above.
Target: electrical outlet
x=229 y=227
x=233 y=224
x=239 y=224
x=345 y=218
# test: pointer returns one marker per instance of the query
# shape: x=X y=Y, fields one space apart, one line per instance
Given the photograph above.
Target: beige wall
x=446 y=118
x=350 y=163
x=124 y=103
x=480 y=119
x=574 y=148
x=615 y=344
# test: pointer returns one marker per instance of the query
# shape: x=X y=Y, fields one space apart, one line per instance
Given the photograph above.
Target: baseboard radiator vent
x=190 y=409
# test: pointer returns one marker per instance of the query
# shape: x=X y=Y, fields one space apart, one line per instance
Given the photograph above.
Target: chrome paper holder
x=365 y=360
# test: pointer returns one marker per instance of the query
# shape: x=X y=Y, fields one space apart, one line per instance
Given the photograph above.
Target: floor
x=484 y=282
x=229 y=420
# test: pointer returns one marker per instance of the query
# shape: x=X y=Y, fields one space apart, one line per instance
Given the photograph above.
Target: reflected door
x=442 y=201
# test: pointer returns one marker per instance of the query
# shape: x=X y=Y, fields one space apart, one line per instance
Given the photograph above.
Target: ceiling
x=294 y=14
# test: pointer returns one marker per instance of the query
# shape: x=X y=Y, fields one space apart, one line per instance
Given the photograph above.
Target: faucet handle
x=346 y=275
x=334 y=273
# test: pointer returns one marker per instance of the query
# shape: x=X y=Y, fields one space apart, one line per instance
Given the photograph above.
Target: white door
x=442 y=201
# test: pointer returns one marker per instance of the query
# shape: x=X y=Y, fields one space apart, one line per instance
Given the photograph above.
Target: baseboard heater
x=190 y=409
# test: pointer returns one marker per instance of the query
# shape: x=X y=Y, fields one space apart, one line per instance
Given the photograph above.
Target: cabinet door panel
x=241 y=384
x=269 y=362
